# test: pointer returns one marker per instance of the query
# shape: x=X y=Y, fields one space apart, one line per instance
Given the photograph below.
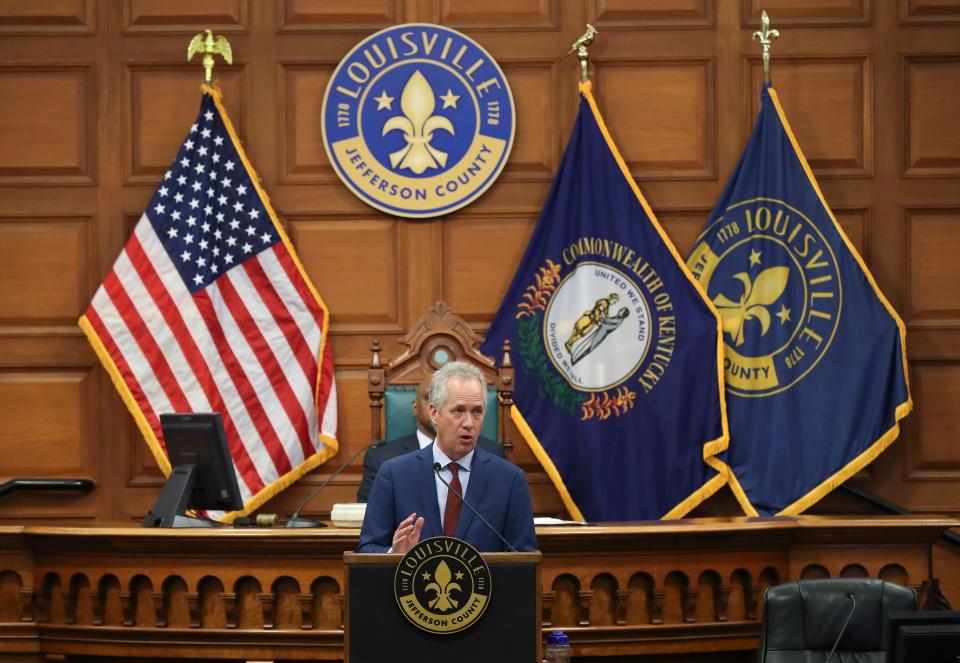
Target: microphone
x=295 y=520
x=843 y=629
x=436 y=469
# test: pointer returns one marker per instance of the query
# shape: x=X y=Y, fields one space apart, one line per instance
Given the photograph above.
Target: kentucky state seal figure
x=603 y=318
x=418 y=120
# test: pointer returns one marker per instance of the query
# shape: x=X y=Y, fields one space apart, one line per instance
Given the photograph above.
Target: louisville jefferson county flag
x=208 y=309
x=619 y=390
x=814 y=354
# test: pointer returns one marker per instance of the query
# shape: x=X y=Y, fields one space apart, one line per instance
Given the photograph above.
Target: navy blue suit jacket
x=407 y=484
x=377 y=456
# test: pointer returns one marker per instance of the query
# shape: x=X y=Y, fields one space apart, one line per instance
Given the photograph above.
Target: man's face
x=459 y=418
x=421 y=407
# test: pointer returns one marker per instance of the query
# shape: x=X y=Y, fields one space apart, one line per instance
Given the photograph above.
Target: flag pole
x=209 y=47
x=580 y=46
x=764 y=35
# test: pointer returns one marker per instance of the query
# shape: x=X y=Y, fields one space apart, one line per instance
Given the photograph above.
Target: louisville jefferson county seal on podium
x=442 y=585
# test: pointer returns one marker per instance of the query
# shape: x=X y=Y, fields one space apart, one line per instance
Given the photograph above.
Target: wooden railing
x=694 y=585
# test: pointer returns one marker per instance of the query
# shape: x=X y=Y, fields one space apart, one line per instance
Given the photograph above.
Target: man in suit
x=375 y=457
x=408 y=499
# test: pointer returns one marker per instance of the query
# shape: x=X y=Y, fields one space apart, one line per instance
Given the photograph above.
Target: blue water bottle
x=558 y=647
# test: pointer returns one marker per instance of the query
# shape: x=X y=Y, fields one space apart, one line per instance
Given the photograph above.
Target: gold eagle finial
x=580 y=46
x=209 y=46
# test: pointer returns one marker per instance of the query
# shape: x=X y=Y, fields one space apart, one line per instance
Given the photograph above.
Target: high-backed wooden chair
x=438 y=337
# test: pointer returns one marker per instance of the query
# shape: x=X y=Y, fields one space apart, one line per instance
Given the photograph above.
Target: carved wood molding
x=279 y=593
x=440 y=320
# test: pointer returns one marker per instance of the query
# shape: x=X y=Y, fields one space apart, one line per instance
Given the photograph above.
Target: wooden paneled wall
x=95 y=96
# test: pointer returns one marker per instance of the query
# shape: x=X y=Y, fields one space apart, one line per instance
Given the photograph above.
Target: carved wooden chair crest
x=438 y=337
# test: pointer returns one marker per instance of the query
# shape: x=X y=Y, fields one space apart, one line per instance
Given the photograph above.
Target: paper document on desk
x=547 y=520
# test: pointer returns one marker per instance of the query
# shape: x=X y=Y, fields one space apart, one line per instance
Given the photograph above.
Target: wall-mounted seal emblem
x=418 y=120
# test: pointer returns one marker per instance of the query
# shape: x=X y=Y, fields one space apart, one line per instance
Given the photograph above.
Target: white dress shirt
x=423 y=439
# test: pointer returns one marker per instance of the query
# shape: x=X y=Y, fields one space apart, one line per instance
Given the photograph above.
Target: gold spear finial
x=764 y=35
x=580 y=46
x=209 y=47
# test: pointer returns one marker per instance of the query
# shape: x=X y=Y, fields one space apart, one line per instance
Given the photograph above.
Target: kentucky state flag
x=814 y=354
x=619 y=387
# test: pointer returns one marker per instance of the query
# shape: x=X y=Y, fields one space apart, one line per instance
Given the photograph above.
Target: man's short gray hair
x=460 y=369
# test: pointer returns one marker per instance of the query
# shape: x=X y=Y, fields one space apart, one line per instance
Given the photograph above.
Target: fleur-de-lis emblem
x=441 y=589
x=418 y=124
x=757 y=295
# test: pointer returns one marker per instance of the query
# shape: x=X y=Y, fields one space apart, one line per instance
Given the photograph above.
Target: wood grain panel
x=44 y=269
x=629 y=14
x=930 y=451
x=931 y=109
x=683 y=227
x=36 y=444
x=185 y=16
x=480 y=257
x=143 y=469
x=920 y=12
x=68 y=16
x=326 y=16
x=855 y=224
x=162 y=102
x=353 y=350
x=535 y=146
x=518 y=14
x=303 y=158
x=932 y=247
x=809 y=12
x=53 y=142
x=829 y=104
x=669 y=130
x=354 y=265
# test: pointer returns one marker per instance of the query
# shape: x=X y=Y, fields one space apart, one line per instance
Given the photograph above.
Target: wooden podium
x=507 y=632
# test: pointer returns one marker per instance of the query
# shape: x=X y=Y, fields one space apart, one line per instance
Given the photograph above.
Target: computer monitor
x=202 y=475
x=927 y=637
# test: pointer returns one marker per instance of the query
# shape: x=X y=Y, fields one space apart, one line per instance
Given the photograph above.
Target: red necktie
x=451 y=512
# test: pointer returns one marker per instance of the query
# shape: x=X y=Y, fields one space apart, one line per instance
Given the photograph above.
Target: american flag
x=208 y=309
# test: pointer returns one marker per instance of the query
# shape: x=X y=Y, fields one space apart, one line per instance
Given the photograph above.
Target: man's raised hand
x=407 y=534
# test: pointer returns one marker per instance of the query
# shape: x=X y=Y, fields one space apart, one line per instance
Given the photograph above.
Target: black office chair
x=802 y=620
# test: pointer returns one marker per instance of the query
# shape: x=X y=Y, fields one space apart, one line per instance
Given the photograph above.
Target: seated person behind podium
x=409 y=501
x=375 y=457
